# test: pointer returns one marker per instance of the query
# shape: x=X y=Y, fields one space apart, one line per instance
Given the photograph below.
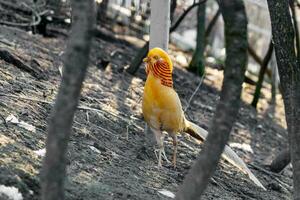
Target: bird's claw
x=165 y=156
x=161 y=153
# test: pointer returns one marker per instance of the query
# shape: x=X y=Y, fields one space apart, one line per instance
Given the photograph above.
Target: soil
x=102 y=162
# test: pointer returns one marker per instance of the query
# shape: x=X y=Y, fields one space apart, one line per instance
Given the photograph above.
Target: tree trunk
x=263 y=69
x=59 y=128
x=274 y=80
x=235 y=20
x=134 y=66
x=197 y=62
x=172 y=9
x=160 y=24
x=289 y=73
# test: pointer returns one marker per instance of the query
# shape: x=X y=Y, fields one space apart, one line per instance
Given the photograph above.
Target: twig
x=6 y=4
x=254 y=55
x=274 y=176
x=263 y=69
x=10 y=58
x=263 y=170
x=194 y=93
x=182 y=16
x=26 y=98
x=81 y=107
x=34 y=23
x=96 y=126
x=212 y=23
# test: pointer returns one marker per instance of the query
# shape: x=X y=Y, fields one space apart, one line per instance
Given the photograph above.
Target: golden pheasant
x=162 y=110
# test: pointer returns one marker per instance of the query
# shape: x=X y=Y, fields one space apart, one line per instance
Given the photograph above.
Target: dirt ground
x=102 y=163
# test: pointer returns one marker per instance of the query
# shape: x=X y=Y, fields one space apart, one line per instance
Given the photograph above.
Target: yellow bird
x=163 y=112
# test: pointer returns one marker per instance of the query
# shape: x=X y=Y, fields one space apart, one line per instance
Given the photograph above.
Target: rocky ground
x=102 y=163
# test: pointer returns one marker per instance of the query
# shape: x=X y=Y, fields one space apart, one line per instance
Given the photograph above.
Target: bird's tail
x=228 y=154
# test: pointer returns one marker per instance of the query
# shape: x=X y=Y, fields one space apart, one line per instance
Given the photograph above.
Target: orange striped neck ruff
x=160 y=69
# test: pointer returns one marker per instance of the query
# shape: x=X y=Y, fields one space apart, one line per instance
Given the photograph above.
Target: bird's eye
x=156 y=57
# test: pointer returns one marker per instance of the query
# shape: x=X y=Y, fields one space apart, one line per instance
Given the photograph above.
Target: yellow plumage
x=161 y=106
x=162 y=110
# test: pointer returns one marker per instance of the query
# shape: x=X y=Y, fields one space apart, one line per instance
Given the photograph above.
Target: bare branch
x=263 y=69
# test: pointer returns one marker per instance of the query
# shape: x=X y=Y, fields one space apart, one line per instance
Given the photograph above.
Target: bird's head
x=159 y=63
x=157 y=55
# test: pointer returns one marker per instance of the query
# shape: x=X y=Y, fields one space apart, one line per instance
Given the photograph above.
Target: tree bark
x=160 y=24
x=135 y=64
x=75 y=66
x=263 y=69
x=197 y=62
x=289 y=73
x=235 y=20
x=274 y=80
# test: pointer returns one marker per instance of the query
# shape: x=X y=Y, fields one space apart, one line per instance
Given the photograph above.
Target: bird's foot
x=165 y=156
x=161 y=153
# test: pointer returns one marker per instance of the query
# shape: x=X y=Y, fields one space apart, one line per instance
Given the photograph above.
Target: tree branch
x=263 y=69
x=212 y=23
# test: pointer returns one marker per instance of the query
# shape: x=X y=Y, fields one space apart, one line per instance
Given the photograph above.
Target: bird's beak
x=146 y=60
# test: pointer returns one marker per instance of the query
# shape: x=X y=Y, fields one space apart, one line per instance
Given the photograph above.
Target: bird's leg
x=146 y=128
x=160 y=142
x=175 y=142
x=163 y=150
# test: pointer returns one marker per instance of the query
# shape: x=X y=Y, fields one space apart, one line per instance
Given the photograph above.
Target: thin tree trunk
x=289 y=73
x=75 y=66
x=254 y=55
x=263 y=69
x=160 y=24
x=295 y=23
x=235 y=20
x=212 y=23
x=274 y=80
x=197 y=62
x=135 y=64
